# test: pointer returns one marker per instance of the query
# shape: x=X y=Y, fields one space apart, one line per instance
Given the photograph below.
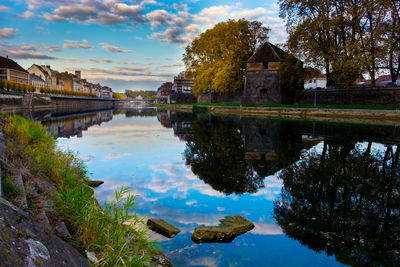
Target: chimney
x=78 y=74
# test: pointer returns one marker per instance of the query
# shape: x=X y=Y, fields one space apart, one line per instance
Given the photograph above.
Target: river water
x=318 y=194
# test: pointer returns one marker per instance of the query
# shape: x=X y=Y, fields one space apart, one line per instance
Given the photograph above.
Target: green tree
x=218 y=57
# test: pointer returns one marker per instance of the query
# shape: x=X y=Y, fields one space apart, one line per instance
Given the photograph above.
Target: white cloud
x=7 y=33
x=28 y=55
x=26 y=15
x=117 y=155
x=4 y=8
x=75 y=44
x=114 y=49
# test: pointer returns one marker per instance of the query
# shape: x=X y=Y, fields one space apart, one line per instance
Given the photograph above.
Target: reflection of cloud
x=178 y=178
x=266 y=229
x=87 y=159
x=191 y=202
x=117 y=155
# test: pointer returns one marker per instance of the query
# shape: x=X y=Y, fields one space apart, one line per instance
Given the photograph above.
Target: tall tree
x=343 y=37
x=218 y=57
x=392 y=30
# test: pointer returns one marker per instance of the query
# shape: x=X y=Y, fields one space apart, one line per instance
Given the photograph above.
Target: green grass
x=100 y=230
x=294 y=106
x=9 y=189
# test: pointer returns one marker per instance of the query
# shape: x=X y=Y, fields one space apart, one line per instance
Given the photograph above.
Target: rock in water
x=162 y=227
x=94 y=183
x=228 y=229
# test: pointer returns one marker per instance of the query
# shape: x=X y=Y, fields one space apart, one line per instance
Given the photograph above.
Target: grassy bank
x=61 y=177
x=293 y=106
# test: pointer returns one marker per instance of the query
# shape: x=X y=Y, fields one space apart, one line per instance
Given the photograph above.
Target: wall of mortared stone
x=262 y=87
x=381 y=96
x=181 y=98
x=220 y=98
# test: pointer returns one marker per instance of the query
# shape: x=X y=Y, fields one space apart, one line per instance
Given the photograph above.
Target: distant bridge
x=127 y=103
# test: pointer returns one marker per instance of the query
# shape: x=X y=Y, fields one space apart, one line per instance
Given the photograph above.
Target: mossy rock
x=162 y=227
x=228 y=229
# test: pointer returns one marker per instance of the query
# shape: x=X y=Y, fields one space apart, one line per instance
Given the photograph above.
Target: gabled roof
x=10 y=64
x=267 y=52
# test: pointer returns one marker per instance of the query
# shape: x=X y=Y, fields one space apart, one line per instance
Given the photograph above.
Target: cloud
x=107 y=12
x=28 y=55
x=26 y=15
x=7 y=33
x=33 y=47
x=170 y=35
x=52 y=48
x=191 y=202
x=101 y=60
x=117 y=155
x=114 y=49
x=76 y=44
x=176 y=64
x=4 y=8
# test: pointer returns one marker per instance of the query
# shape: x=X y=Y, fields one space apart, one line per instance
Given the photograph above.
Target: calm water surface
x=318 y=194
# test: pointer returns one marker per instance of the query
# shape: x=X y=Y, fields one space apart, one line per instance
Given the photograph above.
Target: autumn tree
x=345 y=38
x=218 y=57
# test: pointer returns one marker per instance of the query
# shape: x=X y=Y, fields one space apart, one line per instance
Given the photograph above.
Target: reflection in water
x=345 y=201
x=234 y=155
x=216 y=154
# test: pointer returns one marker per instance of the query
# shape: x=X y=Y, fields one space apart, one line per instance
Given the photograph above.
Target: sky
x=134 y=45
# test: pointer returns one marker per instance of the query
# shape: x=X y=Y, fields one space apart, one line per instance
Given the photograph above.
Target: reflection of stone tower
x=260 y=140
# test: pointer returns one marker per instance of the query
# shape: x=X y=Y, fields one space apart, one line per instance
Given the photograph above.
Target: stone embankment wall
x=217 y=98
x=380 y=96
x=21 y=100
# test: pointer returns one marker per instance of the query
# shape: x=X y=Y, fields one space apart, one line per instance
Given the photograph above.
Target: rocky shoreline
x=38 y=224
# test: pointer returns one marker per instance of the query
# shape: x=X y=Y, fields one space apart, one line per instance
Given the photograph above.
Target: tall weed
x=100 y=230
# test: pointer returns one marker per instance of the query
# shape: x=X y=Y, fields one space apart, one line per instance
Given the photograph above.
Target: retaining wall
x=379 y=96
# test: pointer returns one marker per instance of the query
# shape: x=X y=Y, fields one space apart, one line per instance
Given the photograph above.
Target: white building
x=36 y=81
x=317 y=81
x=48 y=75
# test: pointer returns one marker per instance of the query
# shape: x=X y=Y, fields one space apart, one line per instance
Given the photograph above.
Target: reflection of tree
x=346 y=202
x=217 y=156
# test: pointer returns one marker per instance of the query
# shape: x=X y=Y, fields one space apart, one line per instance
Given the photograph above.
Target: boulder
x=228 y=229
x=162 y=227
x=94 y=183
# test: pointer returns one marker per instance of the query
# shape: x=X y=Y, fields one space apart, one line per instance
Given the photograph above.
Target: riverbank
x=46 y=190
x=340 y=114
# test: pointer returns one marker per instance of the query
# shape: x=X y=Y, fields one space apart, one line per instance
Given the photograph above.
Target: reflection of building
x=163 y=118
x=181 y=123
x=10 y=70
x=75 y=125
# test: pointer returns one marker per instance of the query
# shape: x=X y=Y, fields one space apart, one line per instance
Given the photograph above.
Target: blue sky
x=123 y=44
